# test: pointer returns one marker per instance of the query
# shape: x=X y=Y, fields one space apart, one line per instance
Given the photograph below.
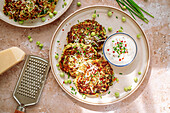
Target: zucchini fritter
x=94 y=77
x=74 y=54
x=28 y=9
x=81 y=33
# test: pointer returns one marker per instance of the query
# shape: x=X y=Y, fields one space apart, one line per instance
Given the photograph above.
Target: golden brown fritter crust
x=94 y=77
x=81 y=33
x=28 y=9
x=74 y=54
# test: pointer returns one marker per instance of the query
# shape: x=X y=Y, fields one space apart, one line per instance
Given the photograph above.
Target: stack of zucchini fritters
x=81 y=60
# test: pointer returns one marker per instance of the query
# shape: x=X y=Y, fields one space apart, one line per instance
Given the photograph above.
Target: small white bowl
x=104 y=49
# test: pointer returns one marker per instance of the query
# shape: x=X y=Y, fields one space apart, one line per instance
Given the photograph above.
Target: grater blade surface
x=31 y=81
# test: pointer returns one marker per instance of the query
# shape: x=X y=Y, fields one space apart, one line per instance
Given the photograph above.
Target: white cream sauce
x=123 y=58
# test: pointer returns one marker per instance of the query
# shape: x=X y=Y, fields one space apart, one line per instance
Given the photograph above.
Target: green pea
x=109 y=13
x=21 y=22
x=38 y=43
x=124 y=7
x=29 y=37
x=84 y=96
x=55 y=12
x=94 y=15
x=41 y=45
x=43 y=19
x=78 y=4
x=109 y=28
x=117 y=94
x=126 y=89
x=135 y=79
x=69 y=81
x=138 y=36
x=123 y=19
x=62 y=74
x=65 y=3
x=93 y=34
x=51 y=15
x=120 y=30
x=129 y=88
x=56 y=56
x=58 y=65
x=65 y=81
x=139 y=73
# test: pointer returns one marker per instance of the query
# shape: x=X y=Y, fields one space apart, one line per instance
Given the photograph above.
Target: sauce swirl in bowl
x=120 y=49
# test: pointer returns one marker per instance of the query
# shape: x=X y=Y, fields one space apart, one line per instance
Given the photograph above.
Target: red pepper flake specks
x=125 y=45
x=124 y=41
x=63 y=82
x=117 y=42
x=112 y=12
x=62 y=29
x=113 y=51
x=107 y=49
x=117 y=31
x=119 y=59
x=114 y=79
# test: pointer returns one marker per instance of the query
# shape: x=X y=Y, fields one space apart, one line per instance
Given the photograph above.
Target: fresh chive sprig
x=133 y=8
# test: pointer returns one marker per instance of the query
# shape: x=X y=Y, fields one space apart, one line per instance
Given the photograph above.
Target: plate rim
x=107 y=103
x=45 y=23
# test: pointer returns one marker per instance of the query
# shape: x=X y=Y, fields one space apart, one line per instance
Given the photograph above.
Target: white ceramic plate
x=131 y=27
x=36 y=22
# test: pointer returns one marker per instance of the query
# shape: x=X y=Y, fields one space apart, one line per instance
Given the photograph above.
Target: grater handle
x=20 y=109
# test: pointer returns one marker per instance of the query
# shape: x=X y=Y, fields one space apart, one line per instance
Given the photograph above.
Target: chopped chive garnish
x=109 y=92
x=68 y=75
x=63 y=6
x=95 y=11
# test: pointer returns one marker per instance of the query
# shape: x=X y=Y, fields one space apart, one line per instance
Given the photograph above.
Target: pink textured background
x=152 y=97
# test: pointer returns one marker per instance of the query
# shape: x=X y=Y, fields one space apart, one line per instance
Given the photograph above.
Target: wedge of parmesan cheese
x=10 y=57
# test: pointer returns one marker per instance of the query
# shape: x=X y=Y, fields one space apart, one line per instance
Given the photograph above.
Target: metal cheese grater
x=31 y=82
